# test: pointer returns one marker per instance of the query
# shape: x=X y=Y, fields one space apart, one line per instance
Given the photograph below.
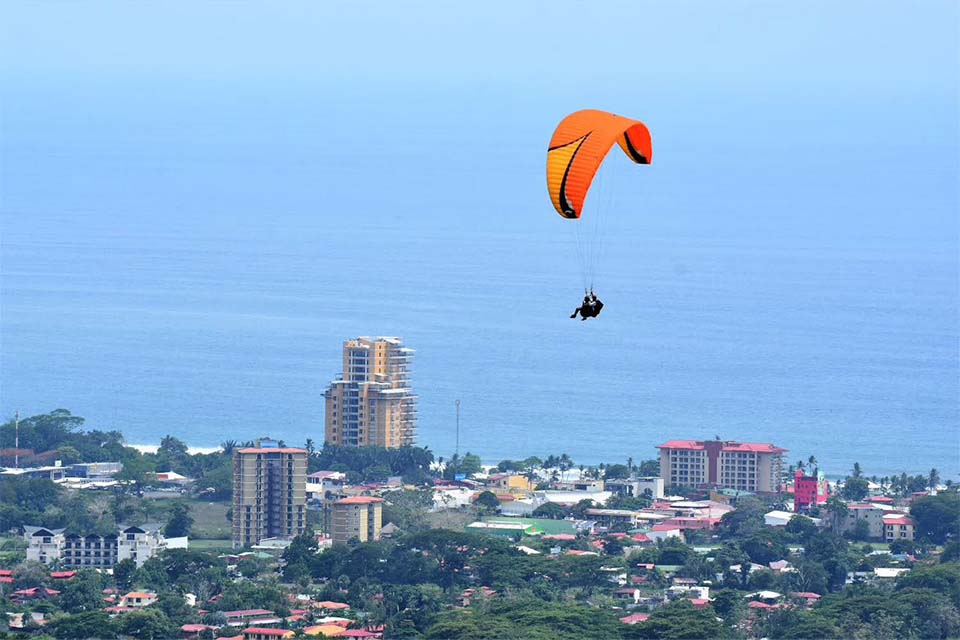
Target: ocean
x=188 y=262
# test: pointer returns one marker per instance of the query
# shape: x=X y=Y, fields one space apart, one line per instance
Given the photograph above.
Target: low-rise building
x=509 y=482
x=897 y=526
x=636 y=487
x=870 y=513
x=138 y=599
x=137 y=543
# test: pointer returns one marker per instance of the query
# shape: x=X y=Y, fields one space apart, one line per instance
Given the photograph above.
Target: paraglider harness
x=590 y=308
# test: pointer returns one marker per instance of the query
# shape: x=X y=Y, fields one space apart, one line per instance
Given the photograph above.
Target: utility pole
x=16 y=440
x=457 y=451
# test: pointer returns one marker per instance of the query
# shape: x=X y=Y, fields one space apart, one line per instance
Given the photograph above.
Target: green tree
x=487 y=500
x=550 y=510
x=148 y=624
x=616 y=471
x=838 y=511
x=855 y=488
x=933 y=479
x=650 y=468
x=678 y=620
x=937 y=517
x=91 y=624
x=83 y=593
x=180 y=521
x=123 y=573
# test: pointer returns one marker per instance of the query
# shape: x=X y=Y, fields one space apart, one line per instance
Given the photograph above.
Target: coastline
x=153 y=448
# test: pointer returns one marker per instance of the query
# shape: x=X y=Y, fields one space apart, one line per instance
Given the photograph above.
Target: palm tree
x=630 y=464
x=812 y=460
x=934 y=480
x=837 y=509
x=565 y=464
x=228 y=446
x=309 y=446
x=857 y=472
x=801 y=465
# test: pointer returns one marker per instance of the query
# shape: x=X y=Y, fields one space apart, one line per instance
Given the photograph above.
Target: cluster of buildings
x=92 y=551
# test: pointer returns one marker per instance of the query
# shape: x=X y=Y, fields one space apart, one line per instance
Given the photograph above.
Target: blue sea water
x=187 y=260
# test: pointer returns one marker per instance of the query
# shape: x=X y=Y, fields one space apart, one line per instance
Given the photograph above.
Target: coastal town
x=370 y=536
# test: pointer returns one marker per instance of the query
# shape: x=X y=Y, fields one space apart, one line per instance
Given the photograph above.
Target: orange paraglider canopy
x=578 y=147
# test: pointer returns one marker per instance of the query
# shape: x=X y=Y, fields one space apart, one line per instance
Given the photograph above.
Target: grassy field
x=209 y=521
x=222 y=546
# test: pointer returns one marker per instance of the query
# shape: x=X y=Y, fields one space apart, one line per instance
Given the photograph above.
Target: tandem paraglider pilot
x=590 y=308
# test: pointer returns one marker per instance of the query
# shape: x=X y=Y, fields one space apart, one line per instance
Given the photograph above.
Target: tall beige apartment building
x=372 y=402
x=722 y=463
x=269 y=493
x=357 y=517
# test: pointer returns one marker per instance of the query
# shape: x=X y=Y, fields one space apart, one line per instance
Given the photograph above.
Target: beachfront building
x=809 y=491
x=137 y=542
x=721 y=464
x=269 y=493
x=636 y=487
x=357 y=517
x=372 y=403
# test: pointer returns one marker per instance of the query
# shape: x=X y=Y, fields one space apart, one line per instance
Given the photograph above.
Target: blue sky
x=847 y=47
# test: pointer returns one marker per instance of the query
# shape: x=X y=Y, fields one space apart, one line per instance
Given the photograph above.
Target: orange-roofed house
x=329 y=605
x=138 y=599
x=356 y=517
x=324 y=630
x=264 y=633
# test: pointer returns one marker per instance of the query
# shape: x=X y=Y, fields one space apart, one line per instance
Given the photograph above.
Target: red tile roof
x=690 y=445
x=730 y=446
x=359 y=500
x=806 y=595
x=752 y=447
x=264 y=631
x=247 y=613
x=897 y=521
x=62 y=575
x=635 y=618
x=6 y=573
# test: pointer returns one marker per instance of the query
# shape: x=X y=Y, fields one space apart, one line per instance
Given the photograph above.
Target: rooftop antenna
x=16 y=440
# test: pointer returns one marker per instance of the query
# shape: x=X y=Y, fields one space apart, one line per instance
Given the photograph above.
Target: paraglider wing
x=578 y=147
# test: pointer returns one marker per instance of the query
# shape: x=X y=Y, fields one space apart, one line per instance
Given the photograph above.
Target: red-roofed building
x=63 y=575
x=898 y=527
x=192 y=631
x=724 y=464
x=635 y=618
x=700 y=603
x=264 y=633
x=808 y=491
x=36 y=593
x=807 y=597
x=355 y=518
